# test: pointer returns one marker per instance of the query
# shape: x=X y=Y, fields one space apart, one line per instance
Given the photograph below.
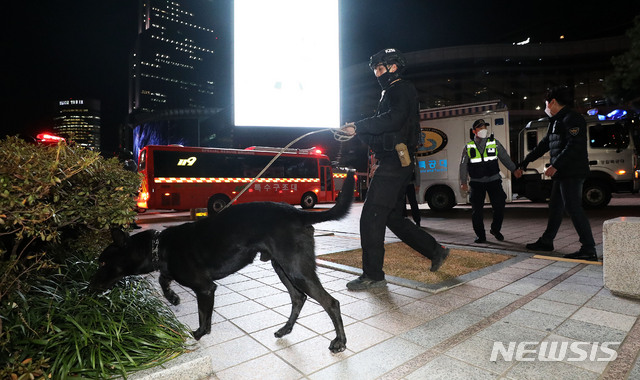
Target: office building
x=78 y=120
x=172 y=84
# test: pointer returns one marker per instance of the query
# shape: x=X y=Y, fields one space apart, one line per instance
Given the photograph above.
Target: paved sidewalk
x=403 y=332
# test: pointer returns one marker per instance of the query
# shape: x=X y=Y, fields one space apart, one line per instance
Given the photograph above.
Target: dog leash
x=338 y=135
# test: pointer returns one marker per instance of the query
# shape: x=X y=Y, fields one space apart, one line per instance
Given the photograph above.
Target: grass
x=402 y=261
x=81 y=335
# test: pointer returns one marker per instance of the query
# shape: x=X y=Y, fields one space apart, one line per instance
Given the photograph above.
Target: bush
x=48 y=191
x=56 y=206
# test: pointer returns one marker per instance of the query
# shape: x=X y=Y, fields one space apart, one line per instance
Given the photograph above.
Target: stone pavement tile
x=311 y=355
x=579 y=278
x=441 y=328
x=265 y=367
x=534 y=320
x=232 y=279
x=220 y=332
x=297 y=335
x=524 y=285
x=509 y=274
x=259 y=321
x=371 y=363
x=566 y=286
x=410 y=292
x=448 y=300
x=321 y=322
x=489 y=304
x=560 y=309
x=397 y=322
x=505 y=331
x=532 y=263
x=446 y=368
x=363 y=309
x=550 y=272
x=343 y=298
x=604 y=318
x=221 y=300
x=390 y=300
x=476 y=351
x=244 y=285
x=234 y=352
x=589 y=332
x=423 y=310
x=239 y=309
x=469 y=290
x=274 y=300
x=592 y=357
x=361 y=336
x=566 y=296
x=538 y=370
x=487 y=283
x=635 y=371
x=615 y=305
x=309 y=308
x=260 y=291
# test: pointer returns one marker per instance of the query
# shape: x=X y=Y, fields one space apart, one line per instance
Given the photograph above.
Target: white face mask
x=548 y=111
x=483 y=133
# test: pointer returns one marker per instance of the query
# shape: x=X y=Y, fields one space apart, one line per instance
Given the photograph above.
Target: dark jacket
x=566 y=142
x=396 y=121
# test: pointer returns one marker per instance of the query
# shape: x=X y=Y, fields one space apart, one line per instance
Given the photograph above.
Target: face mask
x=387 y=78
x=548 y=111
x=483 y=133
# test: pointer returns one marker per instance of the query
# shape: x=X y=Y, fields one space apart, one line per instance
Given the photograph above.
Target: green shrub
x=56 y=206
x=47 y=191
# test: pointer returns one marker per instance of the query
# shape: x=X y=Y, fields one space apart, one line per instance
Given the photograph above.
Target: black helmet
x=388 y=57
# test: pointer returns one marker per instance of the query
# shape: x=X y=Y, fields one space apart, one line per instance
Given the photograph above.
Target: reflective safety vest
x=485 y=164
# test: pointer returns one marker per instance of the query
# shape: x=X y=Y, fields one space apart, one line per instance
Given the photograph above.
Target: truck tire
x=595 y=194
x=308 y=200
x=440 y=198
x=216 y=203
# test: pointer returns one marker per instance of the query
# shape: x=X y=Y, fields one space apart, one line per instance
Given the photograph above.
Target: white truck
x=613 y=160
x=445 y=132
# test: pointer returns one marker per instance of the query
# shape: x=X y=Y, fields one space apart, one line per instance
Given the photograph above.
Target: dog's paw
x=200 y=332
x=338 y=345
x=174 y=300
x=283 y=331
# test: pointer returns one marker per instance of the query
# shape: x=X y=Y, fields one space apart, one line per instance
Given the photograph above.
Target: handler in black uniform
x=392 y=133
x=566 y=142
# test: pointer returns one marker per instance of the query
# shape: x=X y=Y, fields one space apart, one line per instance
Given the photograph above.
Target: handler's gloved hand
x=349 y=128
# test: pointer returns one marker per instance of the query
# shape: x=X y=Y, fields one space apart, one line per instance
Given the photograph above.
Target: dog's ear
x=119 y=237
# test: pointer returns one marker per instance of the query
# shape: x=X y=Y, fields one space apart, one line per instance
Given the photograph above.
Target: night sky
x=59 y=49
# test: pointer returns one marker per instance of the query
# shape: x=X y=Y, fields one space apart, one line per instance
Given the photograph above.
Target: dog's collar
x=155 y=257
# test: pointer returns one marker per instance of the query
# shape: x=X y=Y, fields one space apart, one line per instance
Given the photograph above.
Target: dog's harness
x=155 y=257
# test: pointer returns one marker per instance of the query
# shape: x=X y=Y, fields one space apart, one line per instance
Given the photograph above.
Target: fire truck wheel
x=595 y=194
x=216 y=203
x=308 y=200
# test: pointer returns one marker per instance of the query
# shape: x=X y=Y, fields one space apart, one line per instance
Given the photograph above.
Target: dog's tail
x=341 y=208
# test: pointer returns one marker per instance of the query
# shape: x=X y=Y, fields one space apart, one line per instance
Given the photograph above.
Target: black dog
x=195 y=254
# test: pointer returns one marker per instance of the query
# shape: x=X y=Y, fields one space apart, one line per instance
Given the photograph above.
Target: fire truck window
x=532 y=140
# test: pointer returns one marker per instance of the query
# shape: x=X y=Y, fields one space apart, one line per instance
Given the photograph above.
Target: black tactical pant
x=384 y=207
x=497 y=197
x=566 y=194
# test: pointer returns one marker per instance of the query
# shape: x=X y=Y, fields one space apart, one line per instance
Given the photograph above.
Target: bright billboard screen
x=286 y=63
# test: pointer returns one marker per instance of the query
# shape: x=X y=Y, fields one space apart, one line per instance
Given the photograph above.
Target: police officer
x=392 y=134
x=479 y=165
x=566 y=142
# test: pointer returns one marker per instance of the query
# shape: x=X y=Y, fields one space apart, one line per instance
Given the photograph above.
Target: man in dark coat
x=566 y=142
